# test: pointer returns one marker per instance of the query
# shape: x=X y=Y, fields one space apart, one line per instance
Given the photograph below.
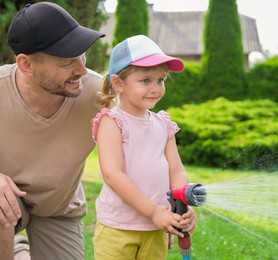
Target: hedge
x=223 y=133
x=188 y=86
x=184 y=87
x=263 y=80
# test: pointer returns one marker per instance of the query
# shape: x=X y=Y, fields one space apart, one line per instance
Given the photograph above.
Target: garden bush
x=188 y=86
x=263 y=80
x=223 y=133
x=181 y=88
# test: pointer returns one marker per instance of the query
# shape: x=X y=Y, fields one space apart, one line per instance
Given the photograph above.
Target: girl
x=138 y=156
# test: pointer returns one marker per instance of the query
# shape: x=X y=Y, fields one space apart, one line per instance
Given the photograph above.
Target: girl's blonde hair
x=107 y=97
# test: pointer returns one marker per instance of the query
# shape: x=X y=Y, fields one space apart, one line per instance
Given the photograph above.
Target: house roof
x=181 y=33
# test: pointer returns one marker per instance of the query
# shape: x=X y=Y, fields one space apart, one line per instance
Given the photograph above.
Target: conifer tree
x=223 y=60
x=132 y=18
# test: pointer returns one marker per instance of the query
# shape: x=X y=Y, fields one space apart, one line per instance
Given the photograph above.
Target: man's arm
x=9 y=214
x=6 y=242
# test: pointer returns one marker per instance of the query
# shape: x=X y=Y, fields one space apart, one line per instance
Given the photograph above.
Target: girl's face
x=142 y=89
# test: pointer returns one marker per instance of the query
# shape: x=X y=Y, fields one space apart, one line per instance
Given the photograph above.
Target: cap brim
x=74 y=43
x=173 y=64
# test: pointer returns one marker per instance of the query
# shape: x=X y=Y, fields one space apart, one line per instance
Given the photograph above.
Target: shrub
x=223 y=133
x=184 y=87
x=257 y=156
x=263 y=80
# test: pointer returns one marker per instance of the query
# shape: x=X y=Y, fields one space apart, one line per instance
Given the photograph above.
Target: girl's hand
x=167 y=220
x=188 y=224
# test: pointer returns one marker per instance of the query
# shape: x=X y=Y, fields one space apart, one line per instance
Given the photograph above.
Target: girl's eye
x=145 y=81
x=162 y=80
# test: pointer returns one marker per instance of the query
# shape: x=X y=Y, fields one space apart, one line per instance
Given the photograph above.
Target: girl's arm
x=178 y=178
x=177 y=174
x=111 y=159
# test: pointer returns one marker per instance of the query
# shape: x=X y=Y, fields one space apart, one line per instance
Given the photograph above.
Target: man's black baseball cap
x=47 y=27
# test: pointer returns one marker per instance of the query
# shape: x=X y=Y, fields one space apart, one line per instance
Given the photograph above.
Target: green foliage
x=187 y=87
x=184 y=87
x=223 y=133
x=132 y=18
x=86 y=13
x=7 y=11
x=263 y=80
x=258 y=156
x=223 y=56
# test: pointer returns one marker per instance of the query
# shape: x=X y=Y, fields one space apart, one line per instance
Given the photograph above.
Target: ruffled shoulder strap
x=109 y=112
x=172 y=126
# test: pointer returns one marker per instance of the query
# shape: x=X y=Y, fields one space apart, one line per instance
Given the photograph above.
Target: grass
x=236 y=236
x=232 y=236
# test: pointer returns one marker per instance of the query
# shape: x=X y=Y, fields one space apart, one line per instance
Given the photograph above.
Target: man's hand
x=9 y=209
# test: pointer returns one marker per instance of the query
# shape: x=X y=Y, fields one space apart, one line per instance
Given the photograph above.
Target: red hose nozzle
x=190 y=194
x=180 y=194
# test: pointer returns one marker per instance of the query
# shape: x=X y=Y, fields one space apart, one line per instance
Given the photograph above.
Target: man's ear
x=25 y=64
x=116 y=83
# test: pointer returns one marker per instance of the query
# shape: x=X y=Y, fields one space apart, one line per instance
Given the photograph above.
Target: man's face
x=59 y=76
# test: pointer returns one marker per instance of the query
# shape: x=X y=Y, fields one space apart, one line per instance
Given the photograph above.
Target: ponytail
x=107 y=95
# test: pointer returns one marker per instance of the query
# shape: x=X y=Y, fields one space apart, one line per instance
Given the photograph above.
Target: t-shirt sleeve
x=100 y=115
x=172 y=126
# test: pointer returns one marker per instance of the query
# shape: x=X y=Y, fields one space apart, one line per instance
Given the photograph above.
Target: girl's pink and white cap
x=140 y=51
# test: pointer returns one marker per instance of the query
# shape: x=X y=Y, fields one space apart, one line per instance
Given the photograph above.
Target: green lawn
x=237 y=236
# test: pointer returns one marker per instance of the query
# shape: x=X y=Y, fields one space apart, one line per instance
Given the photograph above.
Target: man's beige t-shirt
x=46 y=157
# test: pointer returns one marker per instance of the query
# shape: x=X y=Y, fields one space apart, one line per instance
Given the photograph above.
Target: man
x=47 y=101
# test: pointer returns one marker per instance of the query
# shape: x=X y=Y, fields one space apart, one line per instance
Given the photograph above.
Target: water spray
x=180 y=199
